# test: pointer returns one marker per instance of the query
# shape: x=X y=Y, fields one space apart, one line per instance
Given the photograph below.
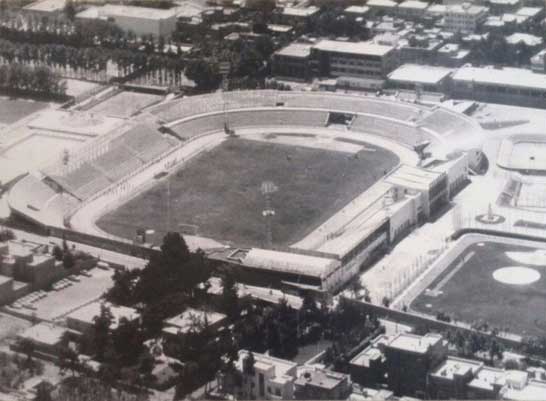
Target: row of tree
x=31 y=80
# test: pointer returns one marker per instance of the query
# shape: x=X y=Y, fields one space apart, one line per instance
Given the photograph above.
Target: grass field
x=471 y=294
x=220 y=192
x=12 y=110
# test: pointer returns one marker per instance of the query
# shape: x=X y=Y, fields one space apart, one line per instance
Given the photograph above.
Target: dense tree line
x=31 y=80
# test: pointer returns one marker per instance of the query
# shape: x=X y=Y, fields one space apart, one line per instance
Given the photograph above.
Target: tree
x=229 y=299
x=58 y=253
x=101 y=332
x=27 y=347
x=68 y=260
x=204 y=73
x=43 y=392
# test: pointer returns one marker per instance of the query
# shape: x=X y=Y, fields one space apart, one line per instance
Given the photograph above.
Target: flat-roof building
x=364 y=60
x=321 y=384
x=192 y=319
x=427 y=78
x=292 y=61
x=409 y=359
x=412 y=9
x=517 y=86
x=272 y=378
x=83 y=319
x=465 y=17
x=139 y=20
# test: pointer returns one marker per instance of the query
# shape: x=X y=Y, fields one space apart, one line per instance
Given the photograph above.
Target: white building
x=465 y=18
x=83 y=319
x=518 y=86
x=140 y=20
x=272 y=378
x=412 y=9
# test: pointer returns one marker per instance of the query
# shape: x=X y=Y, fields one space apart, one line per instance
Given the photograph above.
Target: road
x=130 y=262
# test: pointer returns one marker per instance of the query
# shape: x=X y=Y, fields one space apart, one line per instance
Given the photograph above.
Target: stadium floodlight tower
x=225 y=68
x=267 y=188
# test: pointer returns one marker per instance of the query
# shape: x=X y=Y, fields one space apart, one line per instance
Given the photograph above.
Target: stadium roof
x=510 y=77
x=413 y=177
x=420 y=74
x=364 y=48
x=289 y=262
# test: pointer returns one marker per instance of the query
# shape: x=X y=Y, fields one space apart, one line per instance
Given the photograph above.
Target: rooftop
x=487 y=377
x=414 y=343
x=534 y=391
x=529 y=11
x=299 y=50
x=466 y=8
x=357 y=9
x=88 y=313
x=46 y=5
x=413 y=4
x=420 y=74
x=512 y=77
x=412 y=177
x=365 y=48
x=289 y=262
x=322 y=378
x=113 y=10
x=382 y=3
x=300 y=11
x=526 y=38
x=369 y=354
x=184 y=322
x=456 y=366
x=43 y=333
x=282 y=366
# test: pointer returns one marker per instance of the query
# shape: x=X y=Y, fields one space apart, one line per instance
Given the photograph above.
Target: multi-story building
x=424 y=77
x=293 y=61
x=464 y=18
x=382 y=7
x=412 y=9
x=266 y=378
x=451 y=378
x=409 y=360
x=321 y=384
x=364 y=60
x=141 y=21
x=500 y=85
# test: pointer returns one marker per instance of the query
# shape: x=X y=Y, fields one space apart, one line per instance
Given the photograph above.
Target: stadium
x=293 y=188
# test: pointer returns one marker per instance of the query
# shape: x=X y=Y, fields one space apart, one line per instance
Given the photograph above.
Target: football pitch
x=221 y=192
x=502 y=284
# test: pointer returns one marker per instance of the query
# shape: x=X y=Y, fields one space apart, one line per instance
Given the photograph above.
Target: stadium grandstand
x=113 y=167
x=107 y=161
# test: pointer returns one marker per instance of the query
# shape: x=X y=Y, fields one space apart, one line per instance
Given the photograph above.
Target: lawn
x=471 y=294
x=220 y=192
x=12 y=110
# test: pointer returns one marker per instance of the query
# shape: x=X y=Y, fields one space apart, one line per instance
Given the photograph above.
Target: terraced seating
x=443 y=122
x=200 y=125
x=389 y=129
x=307 y=118
x=117 y=163
x=145 y=142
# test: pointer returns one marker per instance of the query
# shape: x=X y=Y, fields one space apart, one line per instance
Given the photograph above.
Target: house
x=82 y=320
x=265 y=377
x=321 y=384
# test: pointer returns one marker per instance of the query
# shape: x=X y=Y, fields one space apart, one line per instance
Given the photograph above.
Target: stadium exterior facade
x=107 y=171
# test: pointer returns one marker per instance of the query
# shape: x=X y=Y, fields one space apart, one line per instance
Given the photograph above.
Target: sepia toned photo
x=272 y=200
